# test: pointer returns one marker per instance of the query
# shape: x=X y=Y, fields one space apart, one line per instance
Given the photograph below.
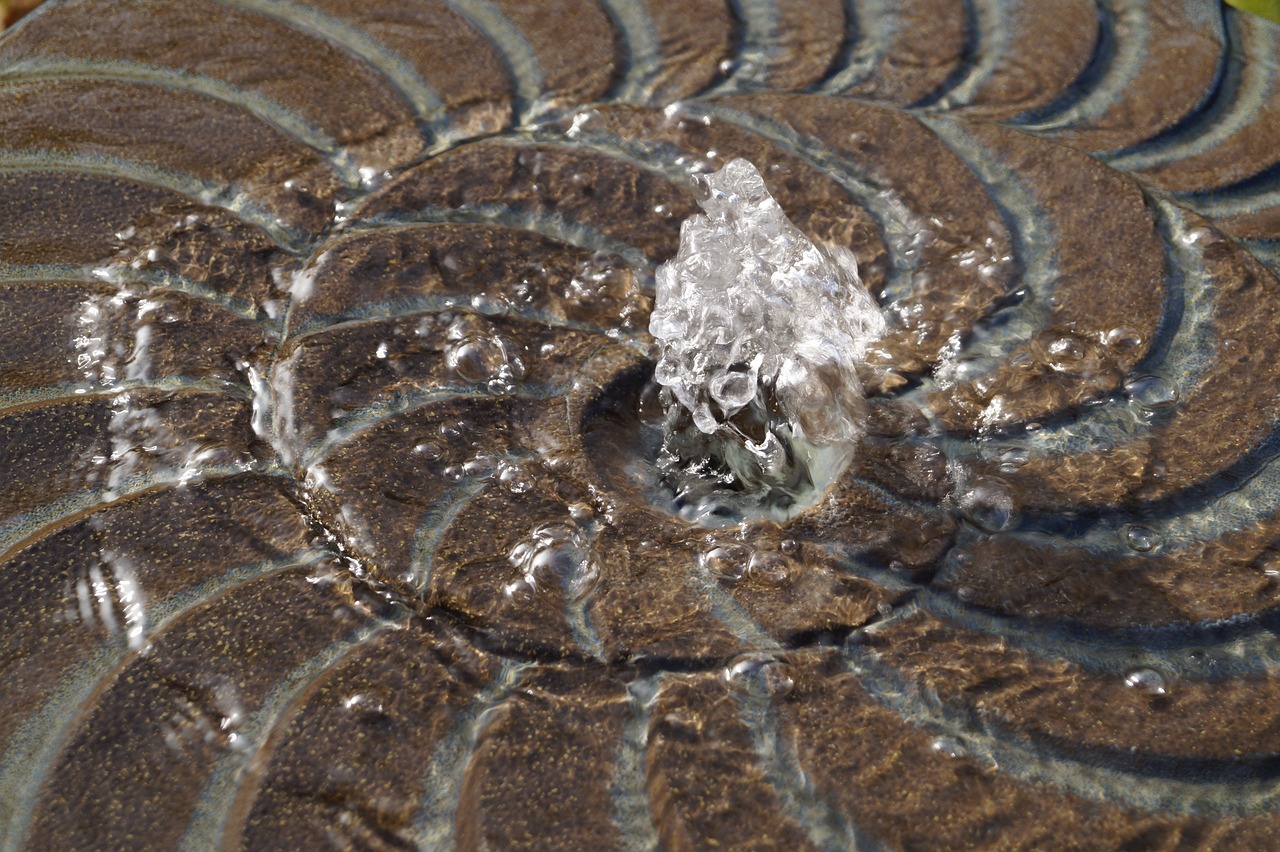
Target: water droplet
x=1147 y=680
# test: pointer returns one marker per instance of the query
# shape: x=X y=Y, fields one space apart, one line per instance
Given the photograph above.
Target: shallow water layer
x=328 y=513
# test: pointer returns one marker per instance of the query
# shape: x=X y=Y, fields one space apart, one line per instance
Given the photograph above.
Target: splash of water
x=761 y=332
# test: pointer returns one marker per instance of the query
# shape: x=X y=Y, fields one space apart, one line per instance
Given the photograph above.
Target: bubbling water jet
x=761 y=332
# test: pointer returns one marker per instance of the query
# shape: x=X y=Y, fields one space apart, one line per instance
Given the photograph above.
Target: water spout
x=761 y=332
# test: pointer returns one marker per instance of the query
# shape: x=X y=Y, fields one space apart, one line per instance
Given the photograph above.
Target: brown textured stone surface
x=447 y=52
x=859 y=751
x=328 y=513
x=381 y=709
x=161 y=707
x=1110 y=275
x=246 y=522
x=913 y=48
x=1068 y=707
x=178 y=132
x=12 y=11
x=703 y=774
x=561 y=726
x=549 y=180
x=355 y=107
x=54 y=450
x=1142 y=99
x=1032 y=72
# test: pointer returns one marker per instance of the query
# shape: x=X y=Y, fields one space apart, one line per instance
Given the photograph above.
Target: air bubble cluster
x=752 y=313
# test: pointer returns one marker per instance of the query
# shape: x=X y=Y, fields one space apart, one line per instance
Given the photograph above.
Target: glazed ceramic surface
x=324 y=387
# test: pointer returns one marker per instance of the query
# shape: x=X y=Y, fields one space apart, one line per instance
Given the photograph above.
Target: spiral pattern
x=321 y=396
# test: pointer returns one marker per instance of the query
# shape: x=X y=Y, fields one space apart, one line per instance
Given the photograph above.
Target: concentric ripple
x=324 y=388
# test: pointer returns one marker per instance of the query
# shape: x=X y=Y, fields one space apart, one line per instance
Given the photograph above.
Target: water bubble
x=429 y=451
x=1147 y=680
x=475 y=358
x=489 y=305
x=520 y=591
x=480 y=465
x=948 y=747
x=728 y=562
x=770 y=566
x=1013 y=458
x=364 y=707
x=454 y=430
x=989 y=506
x=760 y=672
x=553 y=552
x=1141 y=539
x=777 y=682
x=371 y=177
x=1124 y=338
x=1152 y=392
x=743 y=668
x=500 y=387
x=580 y=122
x=1063 y=350
x=515 y=479
x=1200 y=236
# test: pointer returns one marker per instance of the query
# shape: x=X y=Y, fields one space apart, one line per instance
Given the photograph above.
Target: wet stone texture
x=328 y=511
